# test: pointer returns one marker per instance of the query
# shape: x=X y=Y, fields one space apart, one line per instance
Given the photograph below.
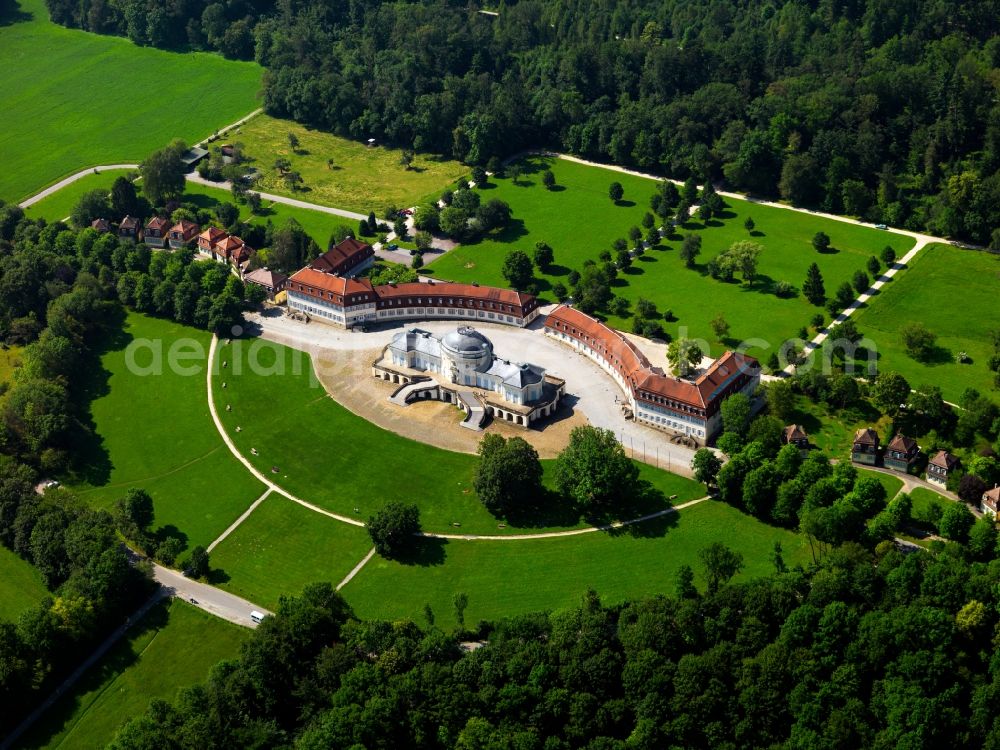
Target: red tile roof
x=158 y=223
x=944 y=460
x=646 y=381
x=451 y=289
x=129 y=224
x=630 y=363
x=866 y=436
x=343 y=256
x=212 y=235
x=794 y=432
x=185 y=228
x=330 y=283
x=266 y=277
x=903 y=444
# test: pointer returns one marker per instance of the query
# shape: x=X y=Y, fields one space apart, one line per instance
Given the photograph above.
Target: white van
x=257 y=616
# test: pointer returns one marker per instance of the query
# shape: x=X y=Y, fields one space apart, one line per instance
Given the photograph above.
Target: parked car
x=881 y=226
x=392 y=246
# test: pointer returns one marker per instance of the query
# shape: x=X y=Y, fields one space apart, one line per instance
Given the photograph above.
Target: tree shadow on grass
x=217 y=576
x=625 y=203
x=424 y=552
x=548 y=510
x=644 y=500
x=11 y=13
x=727 y=214
x=633 y=270
x=938 y=355
x=557 y=188
x=166 y=532
x=91 y=461
x=557 y=270
x=647 y=258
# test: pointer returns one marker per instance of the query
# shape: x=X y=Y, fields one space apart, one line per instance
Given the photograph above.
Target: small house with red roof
x=864 y=449
x=208 y=240
x=940 y=467
x=101 y=225
x=128 y=229
x=990 y=503
x=271 y=282
x=182 y=234
x=901 y=453
x=796 y=435
x=156 y=232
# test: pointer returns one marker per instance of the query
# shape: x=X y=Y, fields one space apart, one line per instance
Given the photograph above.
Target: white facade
x=328 y=311
x=465 y=357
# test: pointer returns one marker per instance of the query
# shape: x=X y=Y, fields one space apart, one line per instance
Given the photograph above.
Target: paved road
x=209 y=598
x=223 y=131
x=70 y=180
x=196 y=178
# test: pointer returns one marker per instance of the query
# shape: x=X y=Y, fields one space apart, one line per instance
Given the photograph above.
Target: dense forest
x=886 y=110
x=866 y=650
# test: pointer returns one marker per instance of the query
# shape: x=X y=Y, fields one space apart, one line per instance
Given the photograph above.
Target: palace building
x=688 y=407
x=462 y=368
x=348 y=302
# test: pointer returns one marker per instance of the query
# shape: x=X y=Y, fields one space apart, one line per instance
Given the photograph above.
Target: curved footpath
x=273 y=487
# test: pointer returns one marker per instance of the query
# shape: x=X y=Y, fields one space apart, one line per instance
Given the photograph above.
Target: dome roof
x=467 y=340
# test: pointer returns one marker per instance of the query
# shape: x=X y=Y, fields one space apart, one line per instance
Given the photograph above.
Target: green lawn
x=60 y=204
x=21 y=585
x=317 y=224
x=72 y=100
x=508 y=578
x=363 y=179
x=327 y=455
x=579 y=221
x=155 y=431
x=281 y=547
x=891 y=484
x=833 y=431
x=174 y=646
x=947 y=289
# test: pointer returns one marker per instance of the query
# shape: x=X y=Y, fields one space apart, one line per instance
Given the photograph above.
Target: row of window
x=656 y=420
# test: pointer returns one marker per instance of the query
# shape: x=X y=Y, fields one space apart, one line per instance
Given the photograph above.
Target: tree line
x=866 y=108
x=864 y=649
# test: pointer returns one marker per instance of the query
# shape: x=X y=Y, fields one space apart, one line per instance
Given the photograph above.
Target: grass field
x=891 y=484
x=174 y=646
x=363 y=179
x=331 y=457
x=317 y=224
x=60 y=204
x=946 y=289
x=923 y=502
x=507 y=578
x=579 y=221
x=21 y=585
x=155 y=432
x=281 y=547
x=833 y=431
x=72 y=99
